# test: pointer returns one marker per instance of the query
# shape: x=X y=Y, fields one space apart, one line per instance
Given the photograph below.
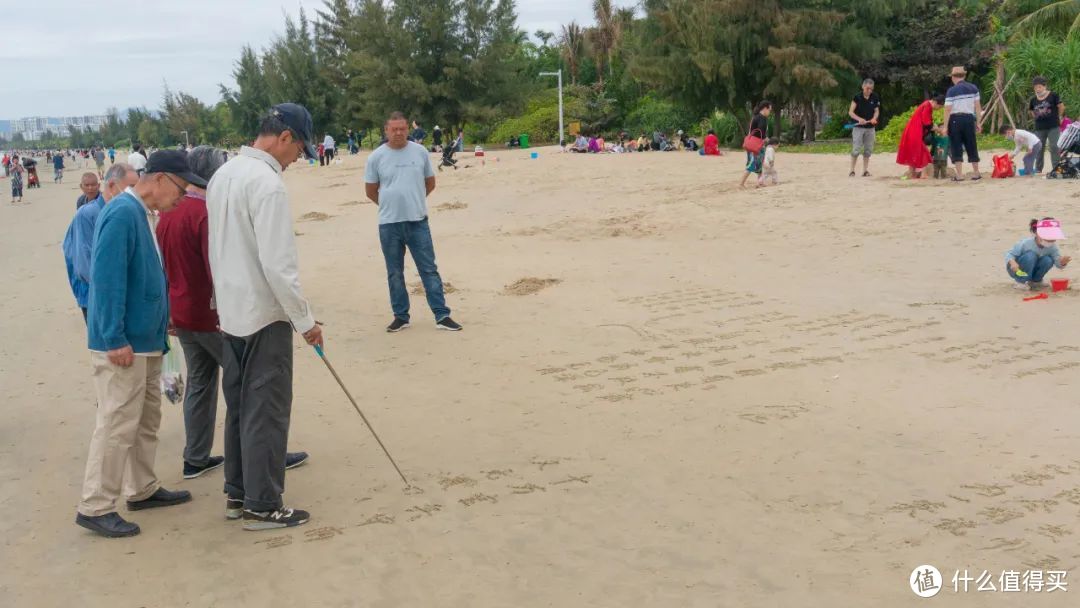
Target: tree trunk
x=811 y=124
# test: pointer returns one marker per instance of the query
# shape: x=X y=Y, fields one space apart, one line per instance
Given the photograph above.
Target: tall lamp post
x=559 y=75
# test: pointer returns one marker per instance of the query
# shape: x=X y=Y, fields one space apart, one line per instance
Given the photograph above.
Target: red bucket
x=1059 y=284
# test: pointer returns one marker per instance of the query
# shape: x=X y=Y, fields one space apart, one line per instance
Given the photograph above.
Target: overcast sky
x=79 y=57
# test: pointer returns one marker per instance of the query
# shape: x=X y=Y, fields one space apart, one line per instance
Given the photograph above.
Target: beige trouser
x=125 y=439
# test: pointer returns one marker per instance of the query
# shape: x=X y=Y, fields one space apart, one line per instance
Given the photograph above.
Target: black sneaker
x=191 y=471
x=234 y=508
x=110 y=525
x=295 y=459
x=448 y=324
x=397 y=325
x=161 y=498
x=284 y=517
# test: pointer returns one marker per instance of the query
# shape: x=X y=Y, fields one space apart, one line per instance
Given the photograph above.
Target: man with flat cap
x=254 y=268
x=126 y=319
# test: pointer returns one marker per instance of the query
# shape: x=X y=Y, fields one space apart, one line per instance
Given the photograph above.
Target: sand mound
x=528 y=286
x=452 y=206
x=417 y=288
x=315 y=216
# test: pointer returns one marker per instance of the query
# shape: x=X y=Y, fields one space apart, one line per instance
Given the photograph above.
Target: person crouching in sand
x=1030 y=259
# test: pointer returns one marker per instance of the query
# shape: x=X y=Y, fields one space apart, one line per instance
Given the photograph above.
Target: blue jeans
x=1035 y=266
x=416 y=236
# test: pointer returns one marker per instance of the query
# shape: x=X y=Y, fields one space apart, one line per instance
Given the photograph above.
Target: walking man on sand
x=99 y=160
x=137 y=158
x=257 y=289
x=328 y=148
x=127 y=318
x=79 y=240
x=865 y=110
x=183 y=236
x=963 y=113
x=398 y=178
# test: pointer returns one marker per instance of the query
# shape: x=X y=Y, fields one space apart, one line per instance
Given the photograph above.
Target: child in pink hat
x=1030 y=259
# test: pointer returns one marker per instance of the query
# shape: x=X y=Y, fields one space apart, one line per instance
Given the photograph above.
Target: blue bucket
x=534 y=155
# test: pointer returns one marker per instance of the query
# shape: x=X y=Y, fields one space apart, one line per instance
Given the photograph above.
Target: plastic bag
x=172 y=374
x=1003 y=166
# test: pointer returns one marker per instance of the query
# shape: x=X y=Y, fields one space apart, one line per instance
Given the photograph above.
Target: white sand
x=785 y=397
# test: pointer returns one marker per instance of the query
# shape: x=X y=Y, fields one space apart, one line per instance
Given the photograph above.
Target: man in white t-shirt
x=137 y=159
x=398 y=178
x=328 y=148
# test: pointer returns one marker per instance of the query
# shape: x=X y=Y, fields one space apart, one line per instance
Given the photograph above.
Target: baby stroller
x=1069 y=144
x=448 y=158
x=32 y=180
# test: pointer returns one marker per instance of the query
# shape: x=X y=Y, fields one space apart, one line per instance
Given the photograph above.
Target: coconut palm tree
x=1058 y=16
x=603 y=35
x=572 y=48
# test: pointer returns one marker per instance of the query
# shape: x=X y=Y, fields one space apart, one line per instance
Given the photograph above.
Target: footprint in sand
x=528 y=286
x=315 y=216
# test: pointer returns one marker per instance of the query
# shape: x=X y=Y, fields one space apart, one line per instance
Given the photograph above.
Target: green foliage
x=655 y=114
x=894 y=130
x=542 y=125
x=727 y=128
x=1043 y=55
x=834 y=128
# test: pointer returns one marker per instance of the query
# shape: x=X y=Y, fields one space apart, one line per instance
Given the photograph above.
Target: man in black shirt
x=865 y=110
x=1047 y=109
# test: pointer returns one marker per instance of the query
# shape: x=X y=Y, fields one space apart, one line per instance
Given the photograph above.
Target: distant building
x=35 y=128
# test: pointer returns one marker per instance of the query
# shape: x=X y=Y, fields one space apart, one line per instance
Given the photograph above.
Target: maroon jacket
x=183 y=236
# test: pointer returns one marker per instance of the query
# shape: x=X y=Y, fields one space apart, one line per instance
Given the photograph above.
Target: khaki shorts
x=862 y=141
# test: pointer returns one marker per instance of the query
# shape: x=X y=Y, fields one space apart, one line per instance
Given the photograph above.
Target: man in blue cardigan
x=127 y=316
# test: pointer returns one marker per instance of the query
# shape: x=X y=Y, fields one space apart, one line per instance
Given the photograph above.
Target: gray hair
x=868 y=81
x=205 y=161
x=117 y=172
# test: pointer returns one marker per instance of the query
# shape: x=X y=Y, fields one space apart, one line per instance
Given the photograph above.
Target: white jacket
x=252 y=247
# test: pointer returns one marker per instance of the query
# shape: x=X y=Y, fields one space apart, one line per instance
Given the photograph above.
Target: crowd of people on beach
x=200 y=246
x=954 y=139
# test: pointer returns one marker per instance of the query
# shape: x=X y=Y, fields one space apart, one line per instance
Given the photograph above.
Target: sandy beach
x=669 y=392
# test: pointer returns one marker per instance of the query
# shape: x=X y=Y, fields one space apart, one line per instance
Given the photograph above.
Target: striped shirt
x=961 y=97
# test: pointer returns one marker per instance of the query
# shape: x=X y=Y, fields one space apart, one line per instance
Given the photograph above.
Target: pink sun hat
x=1049 y=230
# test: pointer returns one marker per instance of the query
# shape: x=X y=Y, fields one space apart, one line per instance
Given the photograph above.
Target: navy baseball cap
x=297 y=118
x=175 y=162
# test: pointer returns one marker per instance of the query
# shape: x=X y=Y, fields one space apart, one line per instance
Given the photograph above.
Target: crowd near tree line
x=671 y=64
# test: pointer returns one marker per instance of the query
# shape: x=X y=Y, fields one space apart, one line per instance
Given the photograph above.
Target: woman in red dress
x=913 y=151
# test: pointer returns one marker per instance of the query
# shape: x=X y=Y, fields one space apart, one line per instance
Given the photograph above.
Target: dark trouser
x=941 y=169
x=202 y=353
x=1035 y=267
x=329 y=155
x=322 y=159
x=962 y=138
x=416 y=236
x=257 y=382
x=1030 y=159
x=1049 y=140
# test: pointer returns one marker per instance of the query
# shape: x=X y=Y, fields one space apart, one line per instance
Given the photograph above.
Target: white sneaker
x=1022 y=286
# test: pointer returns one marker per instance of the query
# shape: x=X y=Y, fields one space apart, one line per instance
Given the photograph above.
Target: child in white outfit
x=768 y=165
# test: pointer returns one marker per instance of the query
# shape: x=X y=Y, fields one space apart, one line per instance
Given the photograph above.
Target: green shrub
x=727 y=128
x=653 y=114
x=889 y=137
x=834 y=128
x=541 y=124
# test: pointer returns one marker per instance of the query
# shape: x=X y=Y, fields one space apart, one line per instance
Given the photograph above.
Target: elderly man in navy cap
x=259 y=304
x=127 y=318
